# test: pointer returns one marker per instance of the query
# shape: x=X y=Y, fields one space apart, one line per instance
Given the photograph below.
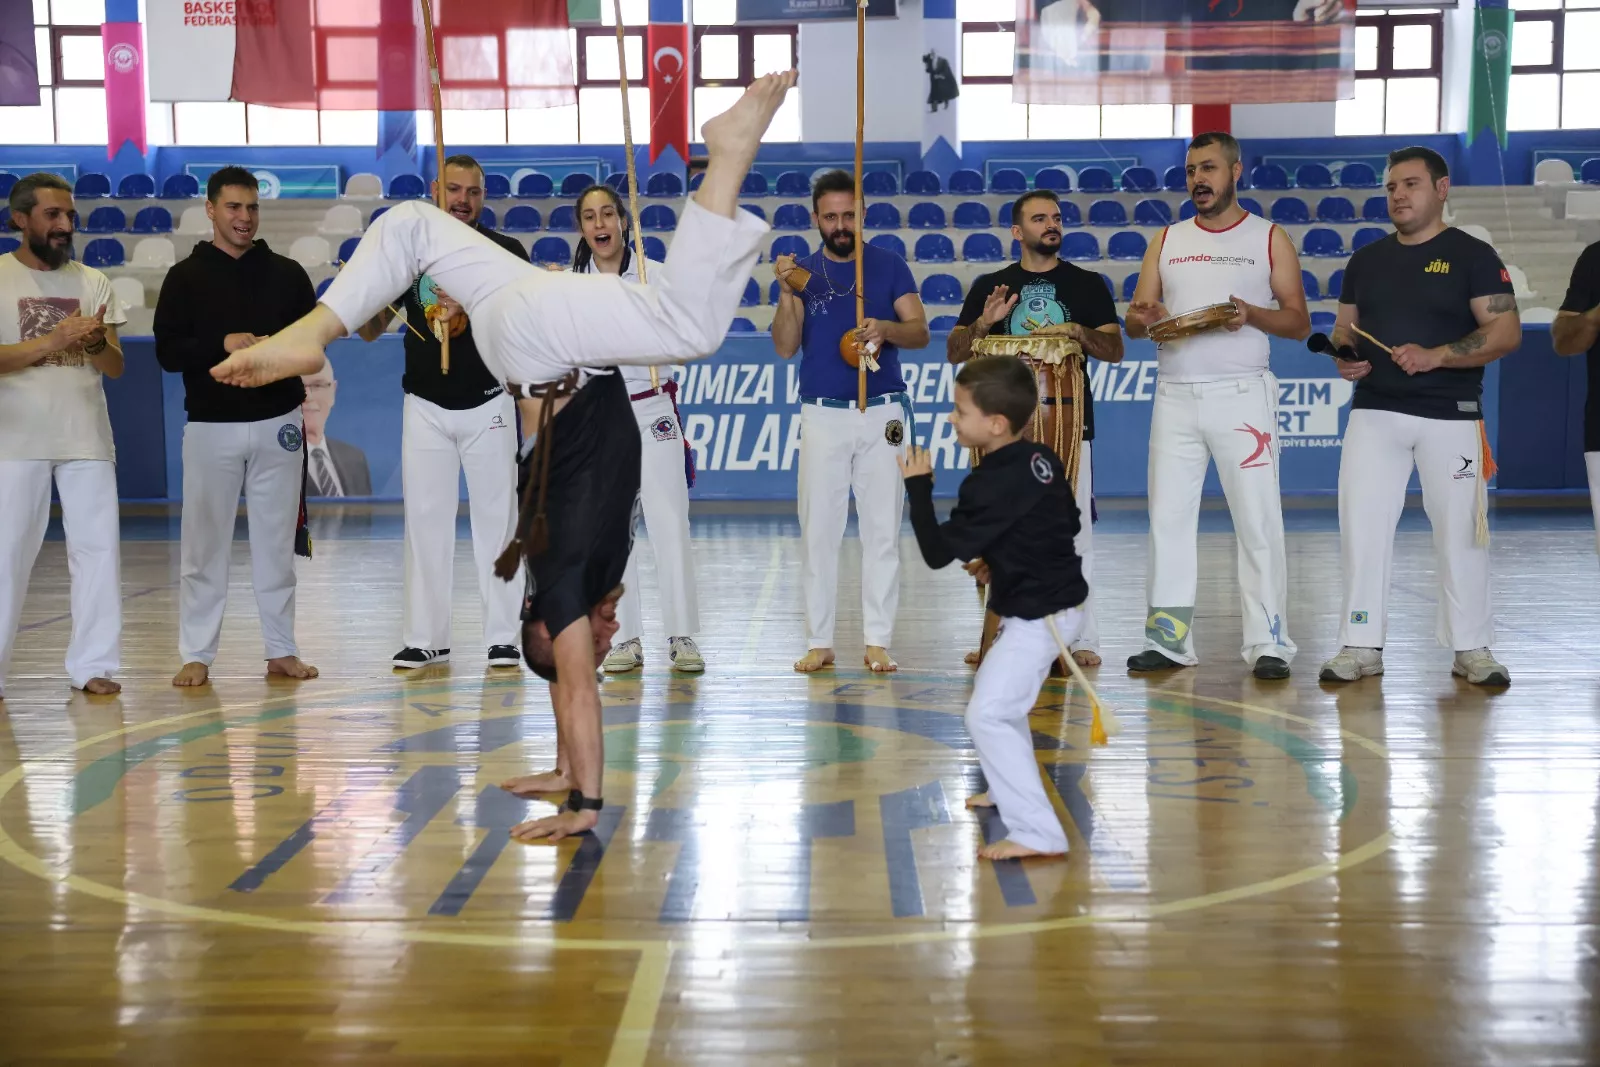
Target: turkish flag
x=667 y=44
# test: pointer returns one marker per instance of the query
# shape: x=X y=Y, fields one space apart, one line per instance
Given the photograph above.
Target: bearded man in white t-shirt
x=58 y=335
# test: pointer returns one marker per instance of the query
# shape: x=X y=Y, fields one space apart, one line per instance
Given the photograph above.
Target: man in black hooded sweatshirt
x=231 y=292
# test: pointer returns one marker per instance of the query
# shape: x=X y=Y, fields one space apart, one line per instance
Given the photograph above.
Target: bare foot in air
x=979 y=800
x=102 y=687
x=192 y=674
x=553 y=828
x=1007 y=849
x=1086 y=657
x=279 y=356
x=879 y=661
x=534 y=785
x=290 y=667
x=814 y=660
x=735 y=134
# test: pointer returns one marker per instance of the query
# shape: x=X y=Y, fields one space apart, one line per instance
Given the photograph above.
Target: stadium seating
x=1252 y=205
x=663 y=184
x=563 y=219
x=1111 y=286
x=496 y=187
x=1186 y=211
x=1335 y=284
x=535 y=187
x=1070 y=215
x=696 y=180
x=136 y=187
x=376 y=212
x=488 y=218
x=1129 y=284
x=752 y=295
x=92 y=187
x=1321 y=242
x=1323 y=321
x=1054 y=179
x=311 y=252
x=574 y=184
x=1376 y=209
x=755 y=184
x=1589 y=173
x=1176 y=180
x=773 y=292
x=796 y=217
x=1309 y=281
x=524 y=218
x=658 y=218
x=9 y=245
x=966 y=182
x=1358 y=176
x=972 y=215
x=152 y=219
x=1108 y=213
x=1140 y=180
x=193 y=223
x=982 y=248
x=926 y=215
x=618 y=181
x=875 y=183
x=1269 y=176
x=1129 y=244
x=1336 y=209
x=943 y=323
x=880 y=216
x=128 y=290
x=407 y=187
x=740 y=324
x=103 y=252
x=655 y=248
x=106 y=220
x=889 y=243
x=1365 y=236
x=322 y=286
x=340 y=220
x=347 y=248
x=155 y=253
x=757 y=210
x=7 y=180
x=1152 y=213
x=792 y=183
x=356 y=187
x=940 y=290
x=923 y=183
x=1008 y=180
x=1290 y=211
x=1095 y=180
x=1314 y=176
x=790 y=245
x=935 y=248
x=1553 y=172
x=1080 y=247
x=547 y=250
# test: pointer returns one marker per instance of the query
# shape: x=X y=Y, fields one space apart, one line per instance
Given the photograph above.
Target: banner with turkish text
x=190 y=49
x=668 y=45
x=123 y=43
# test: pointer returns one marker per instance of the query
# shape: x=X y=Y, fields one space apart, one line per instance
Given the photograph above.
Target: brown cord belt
x=532 y=533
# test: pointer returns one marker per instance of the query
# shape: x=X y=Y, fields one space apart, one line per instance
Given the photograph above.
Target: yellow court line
x=631 y=1044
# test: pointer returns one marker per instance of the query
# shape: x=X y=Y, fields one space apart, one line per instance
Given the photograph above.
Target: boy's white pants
x=89 y=513
x=664 y=500
x=436 y=445
x=1004 y=692
x=1234 y=421
x=843 y=449
x=266 y=460
x=1380 y=448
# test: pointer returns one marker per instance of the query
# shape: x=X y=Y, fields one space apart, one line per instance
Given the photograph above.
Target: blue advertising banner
x=807 y=10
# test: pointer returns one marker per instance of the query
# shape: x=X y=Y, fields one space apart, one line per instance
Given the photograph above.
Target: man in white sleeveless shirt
x=1215 y=399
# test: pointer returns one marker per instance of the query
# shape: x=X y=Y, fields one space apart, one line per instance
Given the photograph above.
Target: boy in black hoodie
x=1017 y=514
x=231 y=292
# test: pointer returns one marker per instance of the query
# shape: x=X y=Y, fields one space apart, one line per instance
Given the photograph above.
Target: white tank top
x=1201 y=267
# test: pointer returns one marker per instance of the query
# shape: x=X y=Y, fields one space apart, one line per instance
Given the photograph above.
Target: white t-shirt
x=55 y=409
x=637 y=378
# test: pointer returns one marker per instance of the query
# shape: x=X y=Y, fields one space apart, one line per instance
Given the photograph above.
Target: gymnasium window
x=1555 y=65
x=1399 y=68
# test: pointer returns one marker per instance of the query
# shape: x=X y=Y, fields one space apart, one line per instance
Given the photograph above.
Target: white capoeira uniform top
x=1200 y=267
x=637 y=378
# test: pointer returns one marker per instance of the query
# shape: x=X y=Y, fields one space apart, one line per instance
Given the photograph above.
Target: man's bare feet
x=192 y=674
x=979 y=800
x=534 y=785
x=879 y=661
x=735 y=134
x=102 y=687
x=1086 y=657
x=971 y=658
x=553 y=828
x=1007 y=849
x=290 y=667
x=270 y=361
x=814 y=660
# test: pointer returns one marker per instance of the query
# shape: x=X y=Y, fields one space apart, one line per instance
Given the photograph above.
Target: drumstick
x=402 y=317
x=1356 y=329
x=1102 y=724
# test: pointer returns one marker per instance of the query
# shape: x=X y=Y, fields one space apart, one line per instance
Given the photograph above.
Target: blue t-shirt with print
x=830 y=300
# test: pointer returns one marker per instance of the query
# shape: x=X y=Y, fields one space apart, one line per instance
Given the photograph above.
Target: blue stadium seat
x=1252 y=205
x=1323 y=321
x=563 y=219
x=521 y=219
x=1111 y=286
x=1080 y=247
x=92 y=187
x=889 y=243
x=972 y=215
x=1589 y=173
x=943 y=323
x=1152 y=213
x=655 y=248
x=575 y=184
x=1016 y=248
x=1290 y=211
x=1108 y=213
x=773 y=292
x=407 y=187
x=106 y=220
x=1269 y=176
x=535 y=187
x=377 y=212
x=790 y=183
x=1139 y=180
x=322 y=286
x=7 y=180
x=9 y=245
x=923 y=183
x=663 y=183
x=548 y=250
x=1187 y=211
x=1002 y=217
x=941 y=290
x=1008 y=180
x=136 y=187
x=1335 y=284
x=1129 y=244
x=1335 y=209
x=103 y=252
x=926 y=216
x=790 y=245
x=879 y=183
x=1321 y=242
x=696 y=181
x=1054 y=179
x=1309 y=282
x=934 y=248
x=347 y=248
x=966 y=182
x=740 y=324
x=796 y=217
x=1376 y=209
x=1176 y=180
x=152 y=220
x=1314 y=176
x=488 y=218
x=1096 y=180
x=1358 y=176
x=496 y=187
x=752 y=295
x=881 y=216
x=1365 y=236
x=179 y=187
x=756 y=210
x=658 y=218
x=618 y=181
x=755 y=184
x=1129 y=284
x=982 y=248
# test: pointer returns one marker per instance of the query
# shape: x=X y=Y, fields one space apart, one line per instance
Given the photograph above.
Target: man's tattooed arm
x=1499 y=332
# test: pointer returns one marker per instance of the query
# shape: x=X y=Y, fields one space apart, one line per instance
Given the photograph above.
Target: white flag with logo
x=191 y=49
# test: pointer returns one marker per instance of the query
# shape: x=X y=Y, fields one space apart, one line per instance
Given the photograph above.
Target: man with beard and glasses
x=1043 y=290
x=58 y=336
x=1216 y=399
x=1444 y=303
x=842 y=448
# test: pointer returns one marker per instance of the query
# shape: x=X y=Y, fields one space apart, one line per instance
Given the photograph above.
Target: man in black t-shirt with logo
x=1576 y=330
x=1043 y=290
x=459 y=421
x=1442 y=302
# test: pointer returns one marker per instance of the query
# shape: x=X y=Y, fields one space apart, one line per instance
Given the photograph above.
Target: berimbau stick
x=438 y=152
x=633 y=176
x=861 y=249
x=1102 y=724
x=1374 y=340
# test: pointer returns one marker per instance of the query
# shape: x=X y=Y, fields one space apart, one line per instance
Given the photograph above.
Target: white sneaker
x=1352 y=663
x=1479 y=667
x=685 y=656
x=628 y=656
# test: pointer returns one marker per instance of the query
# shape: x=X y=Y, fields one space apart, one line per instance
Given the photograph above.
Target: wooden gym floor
x=1402 y=871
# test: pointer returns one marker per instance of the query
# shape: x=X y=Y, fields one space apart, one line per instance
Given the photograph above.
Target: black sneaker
x=504 y=656
x=1151 y=660
x=411 y=658
x=1271 y=669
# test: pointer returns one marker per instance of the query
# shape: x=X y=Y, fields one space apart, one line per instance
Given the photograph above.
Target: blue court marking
x=364 y=781
x=420 y=798
x=909 y=810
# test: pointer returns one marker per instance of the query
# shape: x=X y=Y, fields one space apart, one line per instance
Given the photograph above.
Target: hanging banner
x=191 y=49
x=668 y=47
x=19 y=63
x=1491 y=70
x=124 y=54
x=812 y=10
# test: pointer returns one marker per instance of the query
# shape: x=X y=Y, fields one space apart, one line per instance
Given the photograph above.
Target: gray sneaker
x=685 y=656
x=1479 y=667
x=628 y=656
x=1352 y=663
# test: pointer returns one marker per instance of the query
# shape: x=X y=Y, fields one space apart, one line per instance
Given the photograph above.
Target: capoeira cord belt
x=1487 y=469
x=533 y=532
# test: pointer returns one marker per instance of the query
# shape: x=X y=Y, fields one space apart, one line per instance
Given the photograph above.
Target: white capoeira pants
x=436 y=445
x=534 y=326
x=1089 y=635
x=89 y=514
x=266 y=460
x=845 y=450
x=1235 y=422
x=664 y=500
x=1591 y=460
x=1004 y=692
x=1380 y=449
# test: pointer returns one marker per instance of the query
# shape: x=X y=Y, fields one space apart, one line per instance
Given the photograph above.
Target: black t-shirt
x=1421 y=295
x=1583 y=293
x=469 y=382
x=1065 y=293
x=1016 y=511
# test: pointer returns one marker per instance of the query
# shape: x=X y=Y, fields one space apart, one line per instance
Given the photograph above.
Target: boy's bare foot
x=1007 y=849
x=979 y=800
x=971 y=658
x=814 y=660
x=290 y=667
x=102 y=687
x=879 y=661
x=734 y=135
x=553 y=828
x=191 y=674
x=1086 y=657
x=533 y=785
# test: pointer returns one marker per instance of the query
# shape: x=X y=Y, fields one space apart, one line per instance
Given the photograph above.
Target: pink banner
x=124 y=49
